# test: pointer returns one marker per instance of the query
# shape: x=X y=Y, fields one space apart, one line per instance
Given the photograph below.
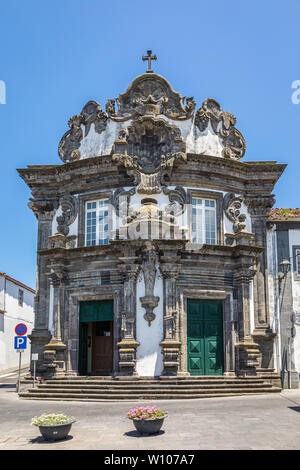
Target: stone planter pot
x=56 y=431
x=148 y=426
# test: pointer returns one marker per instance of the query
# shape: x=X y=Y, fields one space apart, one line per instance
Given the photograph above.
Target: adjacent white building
x=284 y=291
x=16 y=306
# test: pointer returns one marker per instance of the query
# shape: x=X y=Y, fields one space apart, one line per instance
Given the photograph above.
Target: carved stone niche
x=150 y=94
x=148 y=149
x=222 y=124
x=90 y=114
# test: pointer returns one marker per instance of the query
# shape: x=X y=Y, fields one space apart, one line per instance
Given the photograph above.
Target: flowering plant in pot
x=147 y=420
x=53 y=426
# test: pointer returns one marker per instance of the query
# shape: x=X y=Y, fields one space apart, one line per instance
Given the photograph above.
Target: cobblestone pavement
x=270 y=421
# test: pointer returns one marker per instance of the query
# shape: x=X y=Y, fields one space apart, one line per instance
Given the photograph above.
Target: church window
x=204 y=221
x=97 y=222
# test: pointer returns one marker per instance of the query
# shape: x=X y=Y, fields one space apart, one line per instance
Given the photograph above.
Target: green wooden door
x=205 y=337
x=83 y=349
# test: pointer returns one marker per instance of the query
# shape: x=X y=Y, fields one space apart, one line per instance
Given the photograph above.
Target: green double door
x=205 y=346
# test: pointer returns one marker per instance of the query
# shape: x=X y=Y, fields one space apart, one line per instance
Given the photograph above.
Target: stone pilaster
x=247 y=351
x=128 y=344
x=44 y=211
x=170 y=345
x=54 y=353
x=262 y=334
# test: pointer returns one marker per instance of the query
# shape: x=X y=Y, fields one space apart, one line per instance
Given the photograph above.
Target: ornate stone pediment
x=150 y=94
x=222 y=124
x=148 y=149
x=91 y=114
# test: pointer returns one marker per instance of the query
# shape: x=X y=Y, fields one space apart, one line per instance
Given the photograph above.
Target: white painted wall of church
x=13 y=315
x=149 y=356
x=206 y=142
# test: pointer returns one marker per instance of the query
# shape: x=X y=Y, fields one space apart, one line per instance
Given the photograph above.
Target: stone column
x=128 y=344
x=54 y=353
x=262 y=334
x=40 y=335
x=170 y=345
x=247 y=351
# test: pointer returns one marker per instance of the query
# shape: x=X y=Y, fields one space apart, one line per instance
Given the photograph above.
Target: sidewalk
x=270 y=422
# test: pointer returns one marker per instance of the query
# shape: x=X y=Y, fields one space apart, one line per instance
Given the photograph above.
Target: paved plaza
x=251 y=422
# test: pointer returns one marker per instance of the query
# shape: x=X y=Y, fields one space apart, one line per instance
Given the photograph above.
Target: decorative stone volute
x=222 y=124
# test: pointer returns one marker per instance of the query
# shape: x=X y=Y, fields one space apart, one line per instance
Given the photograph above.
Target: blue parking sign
x=20 y=342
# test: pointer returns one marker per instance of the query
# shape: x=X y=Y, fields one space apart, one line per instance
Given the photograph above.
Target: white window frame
x=201 y=237
x=97 y=207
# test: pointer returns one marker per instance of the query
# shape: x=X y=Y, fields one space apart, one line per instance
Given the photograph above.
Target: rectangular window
x=20 y=297
x=96 y=223
x=204 y=221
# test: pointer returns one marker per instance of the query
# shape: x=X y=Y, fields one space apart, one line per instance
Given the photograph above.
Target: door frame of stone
x=73 y=324
x=229 y=336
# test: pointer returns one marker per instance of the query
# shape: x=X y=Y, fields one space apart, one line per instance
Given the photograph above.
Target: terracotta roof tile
x=284 y=214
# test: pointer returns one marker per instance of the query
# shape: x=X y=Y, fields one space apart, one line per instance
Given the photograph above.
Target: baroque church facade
x=152 y=242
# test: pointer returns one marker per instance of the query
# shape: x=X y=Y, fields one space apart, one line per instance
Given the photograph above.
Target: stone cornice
x=199 y=170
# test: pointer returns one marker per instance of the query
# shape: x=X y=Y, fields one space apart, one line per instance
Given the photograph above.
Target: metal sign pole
x=19 y=379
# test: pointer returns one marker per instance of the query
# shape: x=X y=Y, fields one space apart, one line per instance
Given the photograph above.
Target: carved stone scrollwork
x=149 y=301
x=232 y=208
x=69 y=206
x=91 y=114
x=120 y=200
x=150 y=95
x=148 y=149
x=177 y=198
x=222 y=124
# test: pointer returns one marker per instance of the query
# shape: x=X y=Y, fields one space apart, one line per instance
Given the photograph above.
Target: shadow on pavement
x=137 y=434
x=295 y=408
x=42 y=440
x=8 y=386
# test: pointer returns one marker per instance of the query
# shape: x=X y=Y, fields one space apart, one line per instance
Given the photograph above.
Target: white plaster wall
x=149 y=356
x=273 y=293
x=294 y=239
x=13 y=315
x=51 y=298
x=206 y=142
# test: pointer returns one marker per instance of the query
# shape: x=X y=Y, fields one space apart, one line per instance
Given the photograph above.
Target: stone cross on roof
x=149 y=57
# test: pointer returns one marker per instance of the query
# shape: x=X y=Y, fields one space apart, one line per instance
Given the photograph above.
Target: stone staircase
x=133 y=389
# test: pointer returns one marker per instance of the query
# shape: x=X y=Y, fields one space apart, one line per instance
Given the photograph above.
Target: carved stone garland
x=222 y=124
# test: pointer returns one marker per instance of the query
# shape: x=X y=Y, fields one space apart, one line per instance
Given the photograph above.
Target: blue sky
x=55 y=56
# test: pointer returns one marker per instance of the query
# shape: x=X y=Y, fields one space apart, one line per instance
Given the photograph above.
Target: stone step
x=167 y=395
x=152 y=382
x=154 y=387
x=146 y=391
